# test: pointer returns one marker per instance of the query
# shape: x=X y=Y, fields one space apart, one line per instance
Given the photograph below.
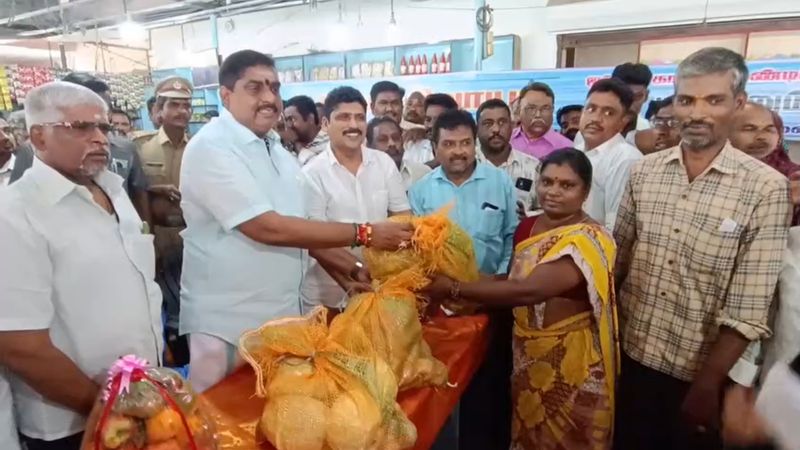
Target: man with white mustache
x=246 y=223
x=535 y=135
x=78 y=289
x=347 y=183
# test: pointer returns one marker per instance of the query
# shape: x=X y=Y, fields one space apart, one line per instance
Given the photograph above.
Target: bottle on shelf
x=403 y=66
x=449 y=61
x=435 y=64
x=418 y=67
x=412 y=65
x=442 y=62
x=424 y=64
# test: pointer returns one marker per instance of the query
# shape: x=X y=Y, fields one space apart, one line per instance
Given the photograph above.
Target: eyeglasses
x=657 y=122
x=533 y=110
x=81 y=125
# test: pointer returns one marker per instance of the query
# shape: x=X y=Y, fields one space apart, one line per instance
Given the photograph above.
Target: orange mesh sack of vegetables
x=148 y=408
x=388 y=316
x=325 y=389
x=438 y=245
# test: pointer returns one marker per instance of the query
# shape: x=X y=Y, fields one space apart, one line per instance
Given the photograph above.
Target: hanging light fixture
x=392 y=18
x=129 y=30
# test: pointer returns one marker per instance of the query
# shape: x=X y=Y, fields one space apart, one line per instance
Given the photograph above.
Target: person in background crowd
x=385 y=134
x=701 y=232
x=569 y=120
x=16 y=119
x=155 y=121
x=758 y=131
x=121 y=122
x=638 y=77
x=124 y=161
x=494 y=134
x=162 y=155
x=565 y=352
x=7 y=153
x=245 y=217
x=81 y=289
x=387 y=100
x=300 y=115
x=321 y=112
x=604 y=116
x=514 y=105
x=347 y=183
x=535 y=136
x=210 y=114
x=665 y=131
x=484 y=205
x=422 y=151
x=415 y=109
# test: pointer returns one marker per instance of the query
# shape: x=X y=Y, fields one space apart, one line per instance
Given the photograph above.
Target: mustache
x=594 y=125
x=267 y=105
x=695 y=123
x=352 y=130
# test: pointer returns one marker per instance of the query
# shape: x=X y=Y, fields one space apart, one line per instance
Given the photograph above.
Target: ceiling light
x=131 y=31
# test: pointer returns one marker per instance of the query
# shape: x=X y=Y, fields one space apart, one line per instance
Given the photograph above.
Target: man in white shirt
x=80 y=292
x=347 y=183
x=386 y=135
x=246 y=226
x=494 y=134
x=422 y=151
x=605 y=115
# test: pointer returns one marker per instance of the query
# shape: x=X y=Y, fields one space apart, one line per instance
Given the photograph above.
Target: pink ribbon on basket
x=125 y=367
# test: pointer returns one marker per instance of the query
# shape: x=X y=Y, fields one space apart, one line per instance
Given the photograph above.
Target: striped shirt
x=697 y=255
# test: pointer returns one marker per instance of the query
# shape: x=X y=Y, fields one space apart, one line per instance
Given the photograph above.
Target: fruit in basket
x=294 y=422
x=142 y=401
x=117 y=431
x=353 y=421
x=163 y=426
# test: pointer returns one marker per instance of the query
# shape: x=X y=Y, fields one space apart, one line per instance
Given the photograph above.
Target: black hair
x=237 y=63
x=575 y=159
x=343 y=94
x=633 y=73
x=374 y=123
x=88 y=81
x=319 y=104
x=616 y=87
x=494 y=103
x=452 y=119
x=211 y=113
x=119 y=111
x=150 y=103
x=566 y=110
x=305 y=106
x=443 y=100
x=538 y=86
x=385 y=86
x=656 y=105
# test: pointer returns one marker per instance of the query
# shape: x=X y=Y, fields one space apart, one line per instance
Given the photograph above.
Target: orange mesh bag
x=388 y=316
x=438 y=245
x=325 y=389
x=150 y=408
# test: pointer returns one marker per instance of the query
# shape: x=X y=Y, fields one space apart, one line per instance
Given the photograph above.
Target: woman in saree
x=565 y=332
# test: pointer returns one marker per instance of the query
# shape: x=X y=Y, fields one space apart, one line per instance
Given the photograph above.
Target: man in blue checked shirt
x=484 y=204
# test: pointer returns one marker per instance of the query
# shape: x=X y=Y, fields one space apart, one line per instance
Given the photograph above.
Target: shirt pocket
x=154 y=170
x=141 y=251
x=490 y=223
x=715 y=251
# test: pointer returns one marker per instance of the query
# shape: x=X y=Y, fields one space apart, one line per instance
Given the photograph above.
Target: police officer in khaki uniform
x=161 y=155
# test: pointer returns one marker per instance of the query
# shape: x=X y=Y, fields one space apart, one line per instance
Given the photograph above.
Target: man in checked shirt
x=700 y=232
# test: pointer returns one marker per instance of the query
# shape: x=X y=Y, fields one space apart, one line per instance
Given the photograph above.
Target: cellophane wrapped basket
x=325 y=389
x=149 y=408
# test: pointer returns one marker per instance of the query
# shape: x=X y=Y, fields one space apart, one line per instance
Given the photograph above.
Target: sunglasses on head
x=81 y=125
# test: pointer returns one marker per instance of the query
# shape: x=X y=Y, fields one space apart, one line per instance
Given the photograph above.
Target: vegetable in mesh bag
x=148 y=408
x=388 y=316
x=438 y=245
x=325 y=389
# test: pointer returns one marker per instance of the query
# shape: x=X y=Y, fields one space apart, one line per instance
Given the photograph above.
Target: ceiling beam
x=42 y=11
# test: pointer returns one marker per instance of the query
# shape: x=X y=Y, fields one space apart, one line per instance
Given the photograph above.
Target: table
x=459 y=342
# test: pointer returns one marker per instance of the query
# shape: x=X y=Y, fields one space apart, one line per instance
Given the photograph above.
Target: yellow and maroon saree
x=564 y=373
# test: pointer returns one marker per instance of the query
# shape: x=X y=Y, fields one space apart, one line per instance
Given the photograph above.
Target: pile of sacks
x=334 y=386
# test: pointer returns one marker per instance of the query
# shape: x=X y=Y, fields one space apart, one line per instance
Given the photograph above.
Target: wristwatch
x=357 y=268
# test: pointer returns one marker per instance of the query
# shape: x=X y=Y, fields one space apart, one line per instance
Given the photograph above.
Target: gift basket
x=148 y=408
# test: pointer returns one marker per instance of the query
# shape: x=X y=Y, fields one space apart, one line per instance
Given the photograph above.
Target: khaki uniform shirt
x=161 y=161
